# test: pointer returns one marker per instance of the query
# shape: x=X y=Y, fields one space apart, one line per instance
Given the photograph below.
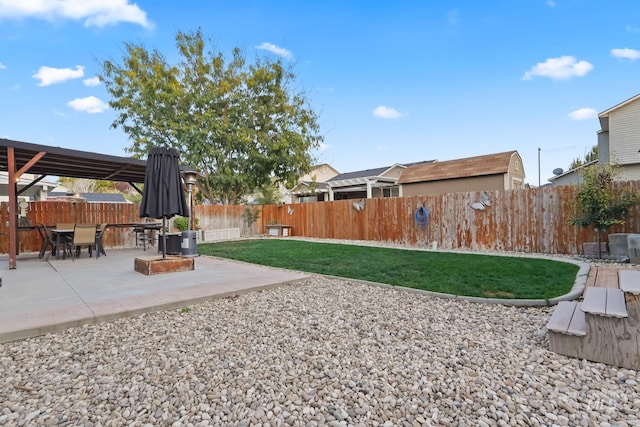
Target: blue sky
x=392 y=82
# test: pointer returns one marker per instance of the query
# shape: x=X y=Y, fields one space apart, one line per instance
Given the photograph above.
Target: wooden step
x=606 y=302
x=567 y=329
x=568 y=319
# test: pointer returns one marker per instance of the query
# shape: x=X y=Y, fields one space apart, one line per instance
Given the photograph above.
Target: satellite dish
x=558 y=171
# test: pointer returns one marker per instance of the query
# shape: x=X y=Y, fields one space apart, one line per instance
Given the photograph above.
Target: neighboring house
x=618 y=143
x=87 y=197
x=571 y=177
x=619 y=138
x=500 y=171
x=312 y=186
x=368 y=183
x=31 y=191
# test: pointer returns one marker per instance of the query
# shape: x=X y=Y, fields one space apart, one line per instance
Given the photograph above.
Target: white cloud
x=98 y=13
x=562 y=68
x=282 y=52
x=632 y=29
x=627 y=53
x=551 y=3
x=583 y=114
x=2 y=66
x=90 y=104
x=386 y=113
x=93 y=81
x=49 y=75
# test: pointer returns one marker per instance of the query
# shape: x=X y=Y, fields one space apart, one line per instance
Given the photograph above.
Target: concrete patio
x=41 y=296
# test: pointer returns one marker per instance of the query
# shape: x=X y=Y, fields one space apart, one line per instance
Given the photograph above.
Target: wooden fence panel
x=528 y=220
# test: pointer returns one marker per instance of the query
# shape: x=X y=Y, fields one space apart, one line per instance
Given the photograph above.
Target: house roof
x=59 y=161
x=93 y=197
x=490 y=164
x=604 y=116
x=361 y=174
x=376 y=172
x=572 y=171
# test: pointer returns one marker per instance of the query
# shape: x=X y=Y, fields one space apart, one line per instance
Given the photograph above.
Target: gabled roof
x=376 y=172
x=604 y=116
x=490 y=164
x=572 y=171
x=361 y=174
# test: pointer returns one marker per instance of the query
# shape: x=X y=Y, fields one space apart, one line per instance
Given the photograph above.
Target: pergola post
x=12 y=187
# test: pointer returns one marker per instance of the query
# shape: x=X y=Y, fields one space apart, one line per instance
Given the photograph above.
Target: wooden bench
x=568 y=319
x=606 y=302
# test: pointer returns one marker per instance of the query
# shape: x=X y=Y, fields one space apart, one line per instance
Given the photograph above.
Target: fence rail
x=530 y=220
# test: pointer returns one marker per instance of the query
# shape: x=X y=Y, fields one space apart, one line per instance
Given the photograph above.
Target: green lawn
x=451 y=273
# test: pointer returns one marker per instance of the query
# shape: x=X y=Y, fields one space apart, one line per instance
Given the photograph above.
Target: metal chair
x=99 y=235
x=83 y=235
x=47 y=241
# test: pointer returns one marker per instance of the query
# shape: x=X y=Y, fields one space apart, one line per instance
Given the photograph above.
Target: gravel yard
x=318 y=352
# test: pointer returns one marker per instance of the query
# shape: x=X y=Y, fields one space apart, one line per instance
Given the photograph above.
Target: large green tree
x=240 y=124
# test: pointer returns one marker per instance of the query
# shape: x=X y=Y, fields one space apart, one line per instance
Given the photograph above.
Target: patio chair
x=47 y=241
x=99 y=234
x=83 y=235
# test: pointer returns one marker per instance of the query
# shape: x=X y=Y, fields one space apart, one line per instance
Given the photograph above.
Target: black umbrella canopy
x=162 y=196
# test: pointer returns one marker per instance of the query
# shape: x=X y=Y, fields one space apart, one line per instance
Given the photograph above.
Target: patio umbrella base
x=158 y=265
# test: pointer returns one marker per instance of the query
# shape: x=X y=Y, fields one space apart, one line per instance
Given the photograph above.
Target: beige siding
x=624 y=131
x=394 y=172
x=629 y=173
x=514 y=180
x=486 y=183
x=320 y=173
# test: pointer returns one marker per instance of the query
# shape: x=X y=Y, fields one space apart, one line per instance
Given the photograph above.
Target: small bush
x=182 y=223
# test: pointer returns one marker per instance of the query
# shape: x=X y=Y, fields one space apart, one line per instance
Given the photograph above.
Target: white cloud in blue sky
x=280 y=51
x=94 y=13
x=386 y=113
x=561 y=68
x=583 y=114
x=454 y=73
x=93 y=81
x=90 y=105
x=50 y=75
x=626 y=53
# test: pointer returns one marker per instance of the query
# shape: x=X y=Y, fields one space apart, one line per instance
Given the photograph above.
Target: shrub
x=182 y=223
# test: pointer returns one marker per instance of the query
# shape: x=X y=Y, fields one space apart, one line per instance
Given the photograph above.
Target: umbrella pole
x=164 y=237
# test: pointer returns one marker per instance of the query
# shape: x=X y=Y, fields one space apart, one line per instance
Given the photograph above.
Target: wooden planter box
x=157 y=264
x=279 y=230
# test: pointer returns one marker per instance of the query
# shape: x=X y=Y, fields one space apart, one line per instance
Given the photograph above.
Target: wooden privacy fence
x=531 y=220
x=50 y=213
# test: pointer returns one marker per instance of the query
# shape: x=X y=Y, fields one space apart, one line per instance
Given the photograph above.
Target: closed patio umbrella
x=163 y=196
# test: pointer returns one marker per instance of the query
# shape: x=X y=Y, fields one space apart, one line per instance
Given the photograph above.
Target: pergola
x=17 y=158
